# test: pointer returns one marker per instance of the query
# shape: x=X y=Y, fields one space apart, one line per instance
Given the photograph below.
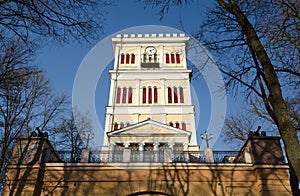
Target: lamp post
x=206 y=137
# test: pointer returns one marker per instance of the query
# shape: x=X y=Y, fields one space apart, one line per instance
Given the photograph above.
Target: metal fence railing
x=97 y=156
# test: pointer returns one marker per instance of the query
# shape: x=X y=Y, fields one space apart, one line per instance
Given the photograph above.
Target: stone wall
x=54 y=178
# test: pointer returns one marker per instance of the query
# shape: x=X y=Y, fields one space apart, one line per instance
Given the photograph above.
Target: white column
x=141 y=150
x=112 y=92
x=126 y=152
x=137 y=89
x=187 y=93
x=162 y=84
x=117 y=54
x=186 y=152
x=208 y=155
x=139 y=57
x=183 y=59
x=168 y=153
x=136 y=117
x=161 y=57
x=156 y=151
x=107 y=128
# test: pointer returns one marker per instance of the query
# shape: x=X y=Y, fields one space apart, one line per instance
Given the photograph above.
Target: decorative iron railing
x=97 y=156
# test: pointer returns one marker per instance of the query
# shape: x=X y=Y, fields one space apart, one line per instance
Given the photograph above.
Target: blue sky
x=61 y=62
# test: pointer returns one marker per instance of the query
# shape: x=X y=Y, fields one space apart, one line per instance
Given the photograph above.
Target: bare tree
x=256 y=45
x=58 y=19
x=71 y=134
x=26 y=99
x=248 y=119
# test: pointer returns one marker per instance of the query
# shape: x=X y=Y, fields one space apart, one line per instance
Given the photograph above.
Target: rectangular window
x=144 y=95
x=130 y=95
x=181 y=95
x=127 y=58
x=169 y=95
x=149 y=95
x=124 y=95
x=177 y=58
x=167 y=58
x=122 y=58
x=118 y=95
x=132 y=58
x=115 y=126
x=175 y=95
x=172 y=58
x=183 y=126
x=155 y=95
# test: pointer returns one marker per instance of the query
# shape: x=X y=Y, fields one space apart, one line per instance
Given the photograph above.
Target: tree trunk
x=279 y=110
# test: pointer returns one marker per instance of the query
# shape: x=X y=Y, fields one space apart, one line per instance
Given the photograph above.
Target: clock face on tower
x=150 y=50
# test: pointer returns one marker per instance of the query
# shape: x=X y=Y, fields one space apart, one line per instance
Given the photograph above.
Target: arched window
x=118 y=95
x=149 y=94
x=122 y=58
x=167 y=58
x=155 y=95
x=127 y=58
x=171 y=124
x=144 y=94
x=181 y=95
x=132 y=58
x=172 y=58
x=177 y=125
x=115 y=126
x=121 y=125
x=169 y=95
x=177 y=58
x=175 y=95
x=183 y=126
x=129 y=95
x=124 y=95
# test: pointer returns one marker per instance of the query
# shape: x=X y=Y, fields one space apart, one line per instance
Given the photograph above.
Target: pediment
x=149 y=128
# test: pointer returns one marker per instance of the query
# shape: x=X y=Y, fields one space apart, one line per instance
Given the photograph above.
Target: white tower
x=150 y=104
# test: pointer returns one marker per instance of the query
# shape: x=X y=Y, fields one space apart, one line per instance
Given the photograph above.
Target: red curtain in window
x=177 y=125
x=177 y=58
x=169 y=95
x=132 y=58
x=118 y=95
x=172 y=58
x=175 y=95
x=167 y=58
x=155 y=95
x=124 y=95
x=127 y=58
x=181 y=95
x=183 y=126
x=149 y=95
x=115 y=126
x=129 y=95
x=144 y=95
x=122 y=58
